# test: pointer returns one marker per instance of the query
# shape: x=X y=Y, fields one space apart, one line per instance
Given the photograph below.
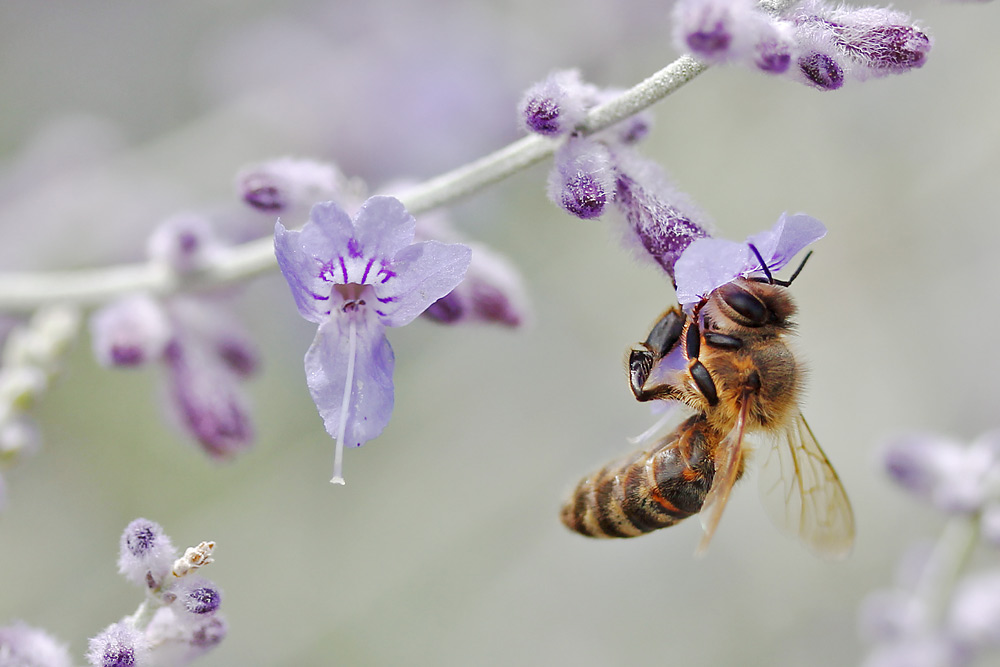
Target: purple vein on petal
x=364 y=278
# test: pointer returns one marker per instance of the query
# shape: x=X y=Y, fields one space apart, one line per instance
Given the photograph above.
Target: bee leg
x=665 y=335
x=702 y=378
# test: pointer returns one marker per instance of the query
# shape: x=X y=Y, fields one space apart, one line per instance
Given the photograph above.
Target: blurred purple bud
x=773 y=52
x=975 y=610
x=661 y=220
x=582 y=178
x=821 y=71
x=954 y=478
x=24 y=646
x=207 y=399
x=278 y=185
x=185 y=243
x=118 y=645
x=144 y=547
x=720 y=31
x=179 y=637
x=557 y=104
x=209 y=633
x=130 y=331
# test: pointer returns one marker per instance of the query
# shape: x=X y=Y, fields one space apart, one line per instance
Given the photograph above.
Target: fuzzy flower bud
x=24 y=646
x=198 y=596
x=278 y=185
x=144 y=547
x=662 y=222
x=180 y=637
x=129 y=332
x=582 y=179
x=118 y=645
x=184 y=243
x=556 y=105
x=821 y=70
x=720 y=31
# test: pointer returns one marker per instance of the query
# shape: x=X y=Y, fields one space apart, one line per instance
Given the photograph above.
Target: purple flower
x=289 y=184
x=198 y=595
x=354 y=278
x=24 y=646
x=144 y=547
x=708 y=264
x=184 y=243
x=821 y=71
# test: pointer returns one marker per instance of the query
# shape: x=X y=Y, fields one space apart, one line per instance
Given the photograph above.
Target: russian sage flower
x=118 y=645
x=720 y=31
x=145 y=553
x=354 y=278
x=709 y=263
x=288 y=185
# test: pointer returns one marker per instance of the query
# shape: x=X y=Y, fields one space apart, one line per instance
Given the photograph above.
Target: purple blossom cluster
x=815 y=43
x=177 y=622
x=205 y=353
x=936 y=613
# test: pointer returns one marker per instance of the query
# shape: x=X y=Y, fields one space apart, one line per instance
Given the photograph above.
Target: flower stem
x=338 y=458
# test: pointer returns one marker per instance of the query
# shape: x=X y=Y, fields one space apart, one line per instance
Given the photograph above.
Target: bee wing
x=728 y=458
x=803 y=495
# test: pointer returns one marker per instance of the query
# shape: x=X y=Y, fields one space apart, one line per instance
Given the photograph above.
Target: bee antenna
x=763 y=264
x=767 y=272
x=795 y=275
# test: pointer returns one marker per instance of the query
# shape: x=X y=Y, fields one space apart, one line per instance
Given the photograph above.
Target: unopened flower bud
x=145 y=548
x=130 y=331
x=198 y=596
x=582 y=178
x=118 y=645
x=719 y=31
x=821 y=71
x=278 y=185
x=185 y=243
x=556 y=105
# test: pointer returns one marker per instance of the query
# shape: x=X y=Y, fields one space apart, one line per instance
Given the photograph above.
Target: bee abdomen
x=647 y=491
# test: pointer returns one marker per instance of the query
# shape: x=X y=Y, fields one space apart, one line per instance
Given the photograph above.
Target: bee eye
x=748 y=306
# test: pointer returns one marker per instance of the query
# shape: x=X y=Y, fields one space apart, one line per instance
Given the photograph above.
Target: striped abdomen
x=648 y=490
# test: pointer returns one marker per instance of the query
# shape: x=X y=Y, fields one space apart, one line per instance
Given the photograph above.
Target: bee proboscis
x=728 y=360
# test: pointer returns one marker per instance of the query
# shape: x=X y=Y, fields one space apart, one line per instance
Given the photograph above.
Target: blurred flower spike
x=354 y=277
x=708 y=264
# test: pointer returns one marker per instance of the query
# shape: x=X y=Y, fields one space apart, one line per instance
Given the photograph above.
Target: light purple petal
x=301 y=270
x=706 y=265
x=383 y=227
x=371 y=400
x=425 y=272
x=787 y=238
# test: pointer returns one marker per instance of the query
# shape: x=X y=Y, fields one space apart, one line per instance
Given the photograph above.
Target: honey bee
x=729 y=361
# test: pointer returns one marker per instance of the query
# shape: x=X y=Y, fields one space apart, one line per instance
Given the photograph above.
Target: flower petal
x=301 y=271
x=383 y=227
x=787 y=238
x=425 y=272
x=371 y=400
x=706 y=265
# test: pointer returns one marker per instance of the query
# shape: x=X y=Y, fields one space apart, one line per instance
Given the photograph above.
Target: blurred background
x=445 y=546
